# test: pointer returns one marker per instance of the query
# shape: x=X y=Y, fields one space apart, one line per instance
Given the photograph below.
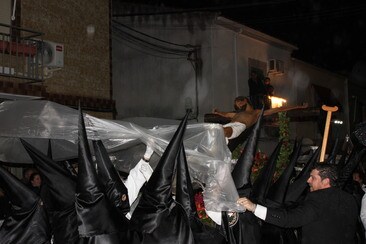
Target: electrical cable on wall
x=138 y=38
x=145 y=46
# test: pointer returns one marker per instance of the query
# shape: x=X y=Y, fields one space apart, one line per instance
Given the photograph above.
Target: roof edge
x=245 y=30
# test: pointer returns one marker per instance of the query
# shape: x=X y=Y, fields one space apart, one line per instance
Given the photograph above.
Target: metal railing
x=21 y=53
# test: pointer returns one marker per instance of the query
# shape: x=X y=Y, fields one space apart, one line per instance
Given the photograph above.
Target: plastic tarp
x=38 y=121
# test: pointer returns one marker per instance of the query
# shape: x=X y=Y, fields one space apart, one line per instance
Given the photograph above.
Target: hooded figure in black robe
x=58 y=194
x=203 y=234
x=27 y=222
x=95 y=215
x=244 y=227
x=275 y=198
x=114 y=189
x=157 y=217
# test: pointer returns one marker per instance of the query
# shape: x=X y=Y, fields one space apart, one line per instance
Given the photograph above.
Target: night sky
x=329 y=33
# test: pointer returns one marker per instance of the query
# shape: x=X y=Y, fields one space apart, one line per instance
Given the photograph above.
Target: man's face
x=356 y=177
x=36 y=182
x=315 y=181
x=239 y=104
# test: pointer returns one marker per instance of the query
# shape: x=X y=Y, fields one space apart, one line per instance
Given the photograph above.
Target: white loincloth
x=215 y=216
x=237 y=128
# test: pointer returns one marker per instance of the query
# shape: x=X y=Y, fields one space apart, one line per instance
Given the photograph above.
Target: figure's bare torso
x=248 y=118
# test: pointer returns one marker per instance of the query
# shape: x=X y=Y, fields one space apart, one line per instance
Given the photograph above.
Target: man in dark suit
x=327 y=215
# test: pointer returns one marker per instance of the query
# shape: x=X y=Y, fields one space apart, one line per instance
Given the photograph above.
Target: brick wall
x=86 y=72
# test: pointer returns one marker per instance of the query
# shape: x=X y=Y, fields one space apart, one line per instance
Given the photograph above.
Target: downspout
x=236 y=63
x=212 y=75
x=195 y=58
x=198 y=64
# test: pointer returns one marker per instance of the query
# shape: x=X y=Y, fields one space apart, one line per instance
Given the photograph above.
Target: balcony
x=20 y=51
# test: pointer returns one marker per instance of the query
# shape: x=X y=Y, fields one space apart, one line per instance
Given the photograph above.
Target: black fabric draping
x=360 y=133
x=265 y=177
x=298 y=187
x=241 y=228
x=243 y=167
x=114 y=188
x=27 y=222
x=58 y=194
x=203 y=234
x=95 y=219
x=157 y=217
x=277 y=191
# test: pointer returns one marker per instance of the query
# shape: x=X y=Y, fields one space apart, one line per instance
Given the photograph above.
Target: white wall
x=151 y=86
x=147 y=85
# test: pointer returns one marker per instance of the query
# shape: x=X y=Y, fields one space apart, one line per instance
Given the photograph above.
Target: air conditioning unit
x=52 y=54
x=276 y=66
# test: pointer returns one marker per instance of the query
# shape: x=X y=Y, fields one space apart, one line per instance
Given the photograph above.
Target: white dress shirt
x=137 y=177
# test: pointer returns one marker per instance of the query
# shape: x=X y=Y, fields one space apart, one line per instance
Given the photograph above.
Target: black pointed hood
x=159 y=186
x=299 y=185
x=184 y=189
x=95 y=220
x=114 y=188
x=58 y=194
x=360 y=133
x=157 y=217
x=203 y=234
x=333 y=154
x=344 y=156
x=264 y=179
x=242 y=170
x=62 y=186
x=346 y=173
x=27 y=222
x=278 y=190
x=20 y=195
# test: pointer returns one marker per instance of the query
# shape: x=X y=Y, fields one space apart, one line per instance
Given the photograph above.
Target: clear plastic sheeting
x=37 y=121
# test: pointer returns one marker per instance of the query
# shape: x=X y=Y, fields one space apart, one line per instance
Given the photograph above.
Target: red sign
x=59 y=48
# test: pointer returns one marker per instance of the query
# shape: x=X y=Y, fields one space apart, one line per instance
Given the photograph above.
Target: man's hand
x=247 y=204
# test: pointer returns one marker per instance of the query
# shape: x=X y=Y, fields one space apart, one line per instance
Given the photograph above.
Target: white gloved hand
x=148 y=153
x=146 y=170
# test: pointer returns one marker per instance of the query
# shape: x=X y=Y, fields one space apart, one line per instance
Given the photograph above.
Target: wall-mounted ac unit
x=52 y=54
x=276 y=66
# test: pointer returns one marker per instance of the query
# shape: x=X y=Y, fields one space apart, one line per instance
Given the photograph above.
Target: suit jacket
x=326 y=216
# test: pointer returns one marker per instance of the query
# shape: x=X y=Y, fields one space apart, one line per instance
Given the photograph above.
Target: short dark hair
x=32 y=176
x=240 y=98
x=28 y=169
x=327 y=171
